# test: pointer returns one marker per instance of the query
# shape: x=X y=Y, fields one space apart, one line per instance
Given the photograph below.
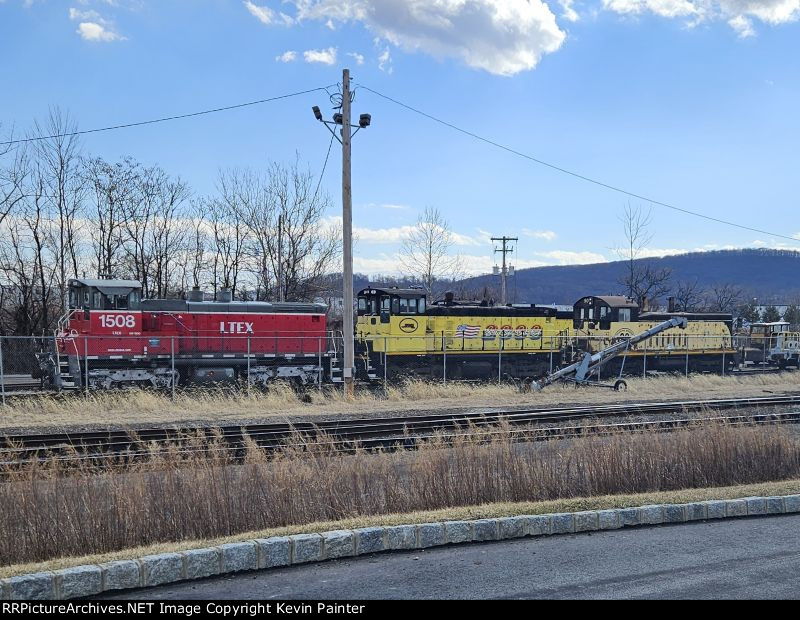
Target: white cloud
x=547 y=235
x=742 y=25
x=737 y=13
x=93 y=27
x=91 y=31
x=503 y=37
x=288 y=56
x=568 y=13
x=385 y=61
x=263 y=14
x=566 y=257
x=359 y=58
x=266 y=15
x=326 y=57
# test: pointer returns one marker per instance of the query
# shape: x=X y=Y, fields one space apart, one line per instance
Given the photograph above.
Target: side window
x=86 y=298
x=404 y=306
x=362 y=305
x=421 y=305
x=395 y=305
x=625 y=315
x=97 y=305
x=122 y=302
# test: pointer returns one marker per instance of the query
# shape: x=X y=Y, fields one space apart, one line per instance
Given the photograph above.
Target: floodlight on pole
x=344 y=136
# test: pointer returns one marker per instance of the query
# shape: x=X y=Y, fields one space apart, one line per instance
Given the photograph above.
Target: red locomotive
x=111 y=337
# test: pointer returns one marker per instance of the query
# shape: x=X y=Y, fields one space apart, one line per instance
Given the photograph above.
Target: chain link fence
x=86 y=363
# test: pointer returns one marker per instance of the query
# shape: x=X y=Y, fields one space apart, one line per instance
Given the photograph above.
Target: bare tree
x=292 y=245
x=426 y=253
x=229 y=238
x=724 y=297
x=58 y=164
x=642 y=280
x=111 y=187
x=689 y=296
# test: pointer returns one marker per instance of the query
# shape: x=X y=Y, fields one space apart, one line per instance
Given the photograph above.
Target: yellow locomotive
x=399 y=333
x=706 y=344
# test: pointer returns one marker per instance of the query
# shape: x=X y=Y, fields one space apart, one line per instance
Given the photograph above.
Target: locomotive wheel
x=620 y=386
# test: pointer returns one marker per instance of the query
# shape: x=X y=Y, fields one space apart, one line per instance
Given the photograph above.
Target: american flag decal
x=468 y=331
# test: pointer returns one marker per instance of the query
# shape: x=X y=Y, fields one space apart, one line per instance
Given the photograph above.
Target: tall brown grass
x=47 y=511
x=148 y=407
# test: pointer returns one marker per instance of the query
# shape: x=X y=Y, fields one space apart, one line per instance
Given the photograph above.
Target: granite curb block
x=163 y=568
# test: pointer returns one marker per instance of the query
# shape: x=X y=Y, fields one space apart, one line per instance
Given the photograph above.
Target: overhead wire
x=165 y=118
x=573 y=173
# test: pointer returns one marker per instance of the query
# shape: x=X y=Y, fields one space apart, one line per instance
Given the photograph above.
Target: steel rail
x=123 y=441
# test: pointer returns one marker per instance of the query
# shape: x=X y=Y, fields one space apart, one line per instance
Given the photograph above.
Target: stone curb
x=248 y=555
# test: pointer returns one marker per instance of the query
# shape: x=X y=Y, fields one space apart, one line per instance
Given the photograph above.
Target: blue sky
x=691 y=102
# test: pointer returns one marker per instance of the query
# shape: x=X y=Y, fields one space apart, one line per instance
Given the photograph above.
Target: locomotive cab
x=376 y=304
x=90 y=294
x=600 y=312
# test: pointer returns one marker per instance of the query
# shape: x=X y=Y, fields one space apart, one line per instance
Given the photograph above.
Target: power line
x=574 y=174
x=325 y=165
x=163 y=119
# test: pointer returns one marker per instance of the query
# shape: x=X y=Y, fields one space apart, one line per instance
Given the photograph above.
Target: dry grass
x=48 y=512
x=147 y=407
x=483 y=511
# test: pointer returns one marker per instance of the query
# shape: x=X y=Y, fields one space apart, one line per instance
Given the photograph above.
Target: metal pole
x=319 y=363
x=2 y=374
x=347 y=245
x=444 y=359
x=687 y=359
x=385 y=366
x=644 y=363
x=500 y=358
x=551 y=355
x=247 y=378
x=723 y=359
x=86 y=363
x=172 y=361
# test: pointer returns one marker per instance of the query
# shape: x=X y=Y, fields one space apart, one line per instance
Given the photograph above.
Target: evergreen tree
x=749 y=312
x=792 y=314
x=771 y=314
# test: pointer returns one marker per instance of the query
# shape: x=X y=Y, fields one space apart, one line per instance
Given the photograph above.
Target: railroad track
x=369 y=433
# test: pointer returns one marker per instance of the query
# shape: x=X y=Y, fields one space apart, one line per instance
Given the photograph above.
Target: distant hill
x=771 y=275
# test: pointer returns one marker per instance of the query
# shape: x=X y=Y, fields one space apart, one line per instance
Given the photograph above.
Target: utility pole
x=280 y=258
x=504 y=249
x=343 y=118
x=347 y=232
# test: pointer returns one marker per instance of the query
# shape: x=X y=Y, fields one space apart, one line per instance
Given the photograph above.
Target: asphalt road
x=744 y=558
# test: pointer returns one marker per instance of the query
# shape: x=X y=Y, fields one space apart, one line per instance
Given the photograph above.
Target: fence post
x=687 y=359
x=172 y=362
x=551 y=355
x=723 y=358
x=247 y=378
x=444 y=359
x=385 y=365
x=86 y=363
x=500 y=359
x=644 y=362
x=319 y=363
x=2 y=374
